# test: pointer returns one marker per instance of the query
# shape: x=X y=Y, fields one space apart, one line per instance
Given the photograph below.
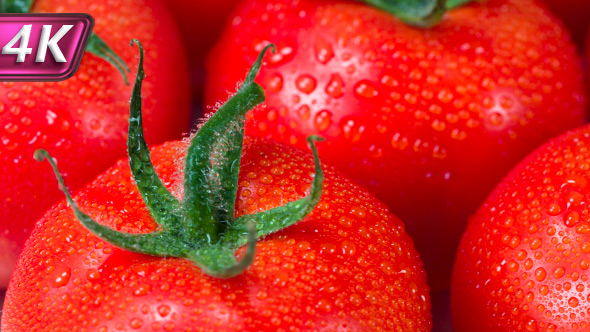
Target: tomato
x=85 y=117
x=428 y=119
x=523 y=261
x=347 y=265
x=575 y=14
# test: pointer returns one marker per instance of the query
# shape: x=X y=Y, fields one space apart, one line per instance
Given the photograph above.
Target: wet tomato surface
x=429 y=120
x=84 y=119
x=523 y=263
x=348 y=266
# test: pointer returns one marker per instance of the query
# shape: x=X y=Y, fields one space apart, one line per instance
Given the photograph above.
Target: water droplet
x=136 y=323
x=164 y=310
x=95 y=124
x=323 y=120
x=305 y=83
x=531 y=325
x=304 y=112
x=348 y=248
x=275 y=83
x=335 y=87
x=540 y=274
x=62 y=277
x=553 y=209
x=324 y=305
x=558 y=272
x=351 y=130
x=535 y=243
x=261 y=295
x=93 y=274
x=389 y=81
x=141 y=290
x=571 y=219
x=11 y=128
x=323 y=50
x=366 y=89
x=573 y=302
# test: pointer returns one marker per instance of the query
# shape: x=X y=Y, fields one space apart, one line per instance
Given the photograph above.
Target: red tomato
x=349 y=265
x=85 y=117
x=523 y=261
x=575 y=14
x=428 y=120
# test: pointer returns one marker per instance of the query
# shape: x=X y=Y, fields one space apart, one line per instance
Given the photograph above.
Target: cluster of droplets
x=527 y=248
x=349 y=266
x=393 y=78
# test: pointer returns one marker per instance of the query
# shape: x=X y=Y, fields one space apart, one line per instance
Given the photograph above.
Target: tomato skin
x=348 y=266
x=523 y=261
x=428 y=120
x=83 y=120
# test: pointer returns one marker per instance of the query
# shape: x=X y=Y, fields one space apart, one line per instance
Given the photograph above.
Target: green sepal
x=220 y=262
x=419 y=13
x=451 y=4
x=15 y=6
x=163 y=206
x=213 y=162
x=157 y=244
x=273 y=220
x=99 y=48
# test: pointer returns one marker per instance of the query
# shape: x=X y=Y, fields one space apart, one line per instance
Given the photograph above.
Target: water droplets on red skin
x=465 y=99
x=349 y=265
x=83 y=121
x=544 y=201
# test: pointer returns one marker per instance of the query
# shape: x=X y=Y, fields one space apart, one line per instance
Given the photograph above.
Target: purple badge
x=42 y=47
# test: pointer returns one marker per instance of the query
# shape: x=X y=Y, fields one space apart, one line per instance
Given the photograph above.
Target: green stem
x=99 y=48
x=213 y=162
x=15 y=6
x=418 y=13
x=162 y=204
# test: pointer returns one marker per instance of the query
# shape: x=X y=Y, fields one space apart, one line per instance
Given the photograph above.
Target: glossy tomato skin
x=523 y=261
x=83 y=120
x=348 y=266
x=428 y=120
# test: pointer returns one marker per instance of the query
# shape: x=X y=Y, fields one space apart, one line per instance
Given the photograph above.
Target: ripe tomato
x=429 y=120
x=575 y=14
x=85 y=117
x=523 y=261
x=348 y=265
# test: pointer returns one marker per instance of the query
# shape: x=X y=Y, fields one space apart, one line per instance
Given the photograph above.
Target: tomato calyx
x=201 y=227
x=418 y=13
x=95 y=45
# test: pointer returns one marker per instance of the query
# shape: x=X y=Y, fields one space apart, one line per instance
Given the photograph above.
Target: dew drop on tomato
x=323 y=120
x=62 y=277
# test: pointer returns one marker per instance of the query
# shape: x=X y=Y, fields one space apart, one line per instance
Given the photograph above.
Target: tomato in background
x=84 y=118
x=523 y=261
x=429 y=120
